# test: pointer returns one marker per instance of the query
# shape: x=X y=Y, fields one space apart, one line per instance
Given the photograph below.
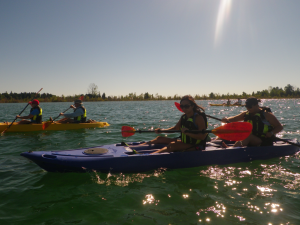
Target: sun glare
x=224 y=11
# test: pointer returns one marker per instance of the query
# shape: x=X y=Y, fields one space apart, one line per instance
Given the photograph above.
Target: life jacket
x=37 y=118
x=191 y=125
x=259 y=123
x=82 y=118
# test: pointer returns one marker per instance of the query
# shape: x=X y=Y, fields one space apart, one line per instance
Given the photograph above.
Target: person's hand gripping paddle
x=20 y=113
x=48 y=123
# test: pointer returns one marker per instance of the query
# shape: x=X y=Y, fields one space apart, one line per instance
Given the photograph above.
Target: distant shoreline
x=288 y=92
x=135 y=100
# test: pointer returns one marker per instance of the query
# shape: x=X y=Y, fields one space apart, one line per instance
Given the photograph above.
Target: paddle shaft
x=178 y=107
x=59 y=115
x=189 y=131
x=292 y=143
x=279 y=139
x=21 y=111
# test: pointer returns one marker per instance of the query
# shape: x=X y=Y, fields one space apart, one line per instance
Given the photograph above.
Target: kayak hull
x=225 y=105
x=15 y=127
x=117 y=158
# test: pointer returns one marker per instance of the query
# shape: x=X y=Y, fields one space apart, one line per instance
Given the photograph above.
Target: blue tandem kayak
x=123 y=158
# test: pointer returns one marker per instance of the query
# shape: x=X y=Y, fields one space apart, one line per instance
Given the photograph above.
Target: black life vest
x=259 y=123
x=82 y=118
x=37 y=118
x=191 y=125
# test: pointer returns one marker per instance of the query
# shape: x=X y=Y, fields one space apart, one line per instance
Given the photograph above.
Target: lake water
x=259 y=192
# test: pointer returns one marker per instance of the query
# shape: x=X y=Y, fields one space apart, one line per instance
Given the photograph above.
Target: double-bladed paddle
x=48 y=123
x=179 y=108
x=235 y=131
x=21 y=112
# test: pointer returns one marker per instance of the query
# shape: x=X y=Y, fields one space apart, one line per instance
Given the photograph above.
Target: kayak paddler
x=194 y=118
x=35 y=115
x=228 y=102
x=265 y=124
x=78 y=116
x=239 y=102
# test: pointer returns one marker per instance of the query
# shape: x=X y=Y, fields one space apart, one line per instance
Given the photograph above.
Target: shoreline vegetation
x=93 y=95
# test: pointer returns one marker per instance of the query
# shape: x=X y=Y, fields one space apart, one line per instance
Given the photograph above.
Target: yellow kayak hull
x=53 y=126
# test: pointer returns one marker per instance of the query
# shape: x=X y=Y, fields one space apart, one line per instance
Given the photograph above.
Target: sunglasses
x=185 y=106
x=248 y=106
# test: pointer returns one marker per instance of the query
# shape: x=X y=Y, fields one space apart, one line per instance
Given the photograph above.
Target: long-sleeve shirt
x=76 y=113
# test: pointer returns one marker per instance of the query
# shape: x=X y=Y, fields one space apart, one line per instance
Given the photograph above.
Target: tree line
x=94 y=95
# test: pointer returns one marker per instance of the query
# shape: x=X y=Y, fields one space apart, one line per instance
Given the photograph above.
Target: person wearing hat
x=35 y=115
x=78 y=116
x=265 y=124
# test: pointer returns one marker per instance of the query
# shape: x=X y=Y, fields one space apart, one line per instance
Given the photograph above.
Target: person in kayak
x=228 y=102
x=78 y=116
x=265 y=124
x=194 y=118
x=239 y=102
x=35 y=114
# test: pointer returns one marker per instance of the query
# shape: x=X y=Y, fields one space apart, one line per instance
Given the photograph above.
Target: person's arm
x=32 y=114
x=176 y=127
x=277 y=127
x=236 y=118
x=25 y=117
x=77 y=113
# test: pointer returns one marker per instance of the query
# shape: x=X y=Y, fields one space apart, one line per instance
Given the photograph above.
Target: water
x=258 y=192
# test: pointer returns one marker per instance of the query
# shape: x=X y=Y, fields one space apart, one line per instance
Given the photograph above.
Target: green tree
x=212 y=95
x=146 y=95
x=289 y=90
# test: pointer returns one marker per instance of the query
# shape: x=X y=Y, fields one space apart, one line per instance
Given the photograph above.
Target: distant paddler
x=78 y=116
x=228 y=102
x=35 y=114
x=239 y=102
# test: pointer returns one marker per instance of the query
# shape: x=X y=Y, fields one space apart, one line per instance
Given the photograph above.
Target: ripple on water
x=258 y=192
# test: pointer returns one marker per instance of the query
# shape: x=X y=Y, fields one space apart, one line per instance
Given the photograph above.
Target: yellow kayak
x=224 y=105
x=53 y=126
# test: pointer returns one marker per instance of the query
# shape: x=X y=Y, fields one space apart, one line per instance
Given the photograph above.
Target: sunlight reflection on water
x=258 y=184
x=258 y=192
x=124 y=179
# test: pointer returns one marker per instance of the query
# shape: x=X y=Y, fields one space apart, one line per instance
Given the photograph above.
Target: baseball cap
x=35 y=101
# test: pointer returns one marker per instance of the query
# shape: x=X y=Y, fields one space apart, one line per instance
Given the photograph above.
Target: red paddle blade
x=46 y=124
x=178 y=106
x=127 y=131
x=236 y=131
x=81 y=97
x=4 y=131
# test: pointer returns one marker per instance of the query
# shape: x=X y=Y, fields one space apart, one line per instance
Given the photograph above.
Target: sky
x=169 y=47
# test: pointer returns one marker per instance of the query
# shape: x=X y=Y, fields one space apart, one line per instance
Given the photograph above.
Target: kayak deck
x=123 y=158
x=15 y=127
